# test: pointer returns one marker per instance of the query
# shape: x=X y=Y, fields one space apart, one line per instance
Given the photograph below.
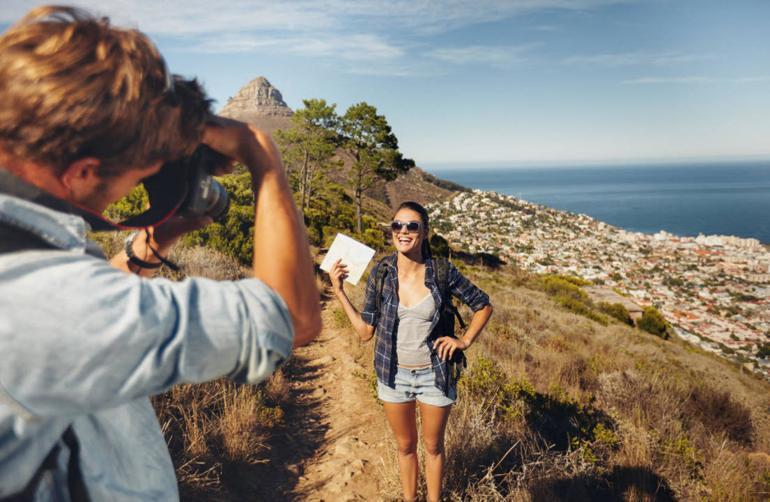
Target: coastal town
x=713 y=290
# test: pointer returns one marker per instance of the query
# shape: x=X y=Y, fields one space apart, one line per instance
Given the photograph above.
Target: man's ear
x=81 y=176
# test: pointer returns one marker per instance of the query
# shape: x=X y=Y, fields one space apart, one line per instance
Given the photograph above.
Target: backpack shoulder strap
x=442 y=276
x=13 y=239
x=379 y=278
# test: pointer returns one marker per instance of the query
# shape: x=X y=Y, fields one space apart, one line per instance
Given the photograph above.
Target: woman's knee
x=407 y=446
x=433 y=447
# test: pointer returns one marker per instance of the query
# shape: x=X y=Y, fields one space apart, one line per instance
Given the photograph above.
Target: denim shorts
x=416 y=384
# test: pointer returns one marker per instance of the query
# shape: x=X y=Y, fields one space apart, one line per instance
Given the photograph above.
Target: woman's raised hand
x=338 y=273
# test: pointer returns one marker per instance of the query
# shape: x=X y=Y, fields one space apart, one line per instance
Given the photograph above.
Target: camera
x=205 y=195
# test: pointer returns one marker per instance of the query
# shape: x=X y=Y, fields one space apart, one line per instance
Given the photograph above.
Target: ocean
x=683 y=199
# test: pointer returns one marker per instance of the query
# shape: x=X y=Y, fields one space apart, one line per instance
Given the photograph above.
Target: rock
x=261 y=104
x=325 y=360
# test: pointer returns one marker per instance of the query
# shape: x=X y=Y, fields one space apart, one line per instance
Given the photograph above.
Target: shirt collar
x=27 y=207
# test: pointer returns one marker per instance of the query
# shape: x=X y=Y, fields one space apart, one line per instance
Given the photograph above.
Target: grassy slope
x=598 y=411
x=553 y=404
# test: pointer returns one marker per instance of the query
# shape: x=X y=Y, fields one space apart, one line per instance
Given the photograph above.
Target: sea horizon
x=682 y=198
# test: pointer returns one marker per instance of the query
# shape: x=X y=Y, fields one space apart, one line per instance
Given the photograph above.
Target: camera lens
x=218 y=200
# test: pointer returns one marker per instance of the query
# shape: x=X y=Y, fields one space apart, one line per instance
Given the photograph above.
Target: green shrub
x=652 y=321
x=617 y=311
x=580 y=308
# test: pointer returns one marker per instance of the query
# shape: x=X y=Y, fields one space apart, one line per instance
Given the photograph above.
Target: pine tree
x=369 y=140
x=309 y=146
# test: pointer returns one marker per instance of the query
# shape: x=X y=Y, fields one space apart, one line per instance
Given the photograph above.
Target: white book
x=353 y=254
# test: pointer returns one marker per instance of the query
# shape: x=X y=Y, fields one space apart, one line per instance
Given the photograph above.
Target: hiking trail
x=339 y=432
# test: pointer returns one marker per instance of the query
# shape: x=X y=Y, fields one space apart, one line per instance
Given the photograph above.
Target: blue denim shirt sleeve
x=465 y=290
x=107 y=337
x=370 y=315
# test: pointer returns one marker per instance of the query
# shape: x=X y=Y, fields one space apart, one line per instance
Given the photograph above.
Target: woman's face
x=408 y=241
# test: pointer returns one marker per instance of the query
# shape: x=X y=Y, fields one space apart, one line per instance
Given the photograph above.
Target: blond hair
x=74 y=86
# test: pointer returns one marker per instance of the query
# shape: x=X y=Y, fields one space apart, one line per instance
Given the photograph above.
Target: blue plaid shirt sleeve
x=465 y=290
x=370 y=315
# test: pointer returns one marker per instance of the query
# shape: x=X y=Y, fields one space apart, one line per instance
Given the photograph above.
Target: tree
x=370 y=141
x=309 y=146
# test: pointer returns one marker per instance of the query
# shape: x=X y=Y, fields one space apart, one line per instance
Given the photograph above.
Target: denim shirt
x=83 y=344
x=386 y=320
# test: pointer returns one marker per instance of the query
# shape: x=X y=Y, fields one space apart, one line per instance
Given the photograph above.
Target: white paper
x=353 y=254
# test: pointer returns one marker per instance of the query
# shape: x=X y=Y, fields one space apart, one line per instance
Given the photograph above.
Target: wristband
x=132 y=258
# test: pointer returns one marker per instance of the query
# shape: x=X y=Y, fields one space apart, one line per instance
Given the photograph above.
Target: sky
x=491 y=82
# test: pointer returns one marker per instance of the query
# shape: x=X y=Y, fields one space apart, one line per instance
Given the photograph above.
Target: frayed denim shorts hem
x=415 y=384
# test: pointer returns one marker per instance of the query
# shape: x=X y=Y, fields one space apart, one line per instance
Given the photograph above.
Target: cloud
x=482 y=54
x=697 y=79
x=197 y=17
x=349 y=47
x=634 y=59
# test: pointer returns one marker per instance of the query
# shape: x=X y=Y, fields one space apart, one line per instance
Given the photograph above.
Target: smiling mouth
x=404 y=240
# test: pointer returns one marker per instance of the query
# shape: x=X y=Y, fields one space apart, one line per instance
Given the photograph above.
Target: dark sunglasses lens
x=396 y=226
x=412 y=226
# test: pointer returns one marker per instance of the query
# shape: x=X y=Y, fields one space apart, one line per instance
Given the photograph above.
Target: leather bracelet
x=132 y=258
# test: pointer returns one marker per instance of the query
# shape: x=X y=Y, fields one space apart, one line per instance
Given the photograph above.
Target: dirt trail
x=341 y=436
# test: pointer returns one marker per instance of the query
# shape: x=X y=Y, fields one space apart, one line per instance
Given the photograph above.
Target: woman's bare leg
x=434 y=420
x=403 y=422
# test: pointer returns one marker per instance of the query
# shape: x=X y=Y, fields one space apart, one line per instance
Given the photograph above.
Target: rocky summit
x=261 y=104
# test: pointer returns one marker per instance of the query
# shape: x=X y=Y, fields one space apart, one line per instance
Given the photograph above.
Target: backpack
x=446 y=324
x=13 y=239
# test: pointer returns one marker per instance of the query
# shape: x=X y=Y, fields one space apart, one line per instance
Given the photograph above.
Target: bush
x=617 y=311
x=653 y=322
x=719 y=413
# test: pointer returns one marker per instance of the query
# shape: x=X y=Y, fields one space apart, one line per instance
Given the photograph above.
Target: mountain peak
x=259 y=103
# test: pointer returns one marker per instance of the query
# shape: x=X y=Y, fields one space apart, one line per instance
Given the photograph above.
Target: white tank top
x=413 y=330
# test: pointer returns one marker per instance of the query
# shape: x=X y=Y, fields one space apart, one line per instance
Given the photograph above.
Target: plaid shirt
x=386 y=321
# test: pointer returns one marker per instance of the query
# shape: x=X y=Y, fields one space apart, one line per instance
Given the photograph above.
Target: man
x=88 y=111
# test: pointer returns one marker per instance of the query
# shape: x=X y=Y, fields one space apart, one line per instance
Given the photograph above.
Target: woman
x=411 y=356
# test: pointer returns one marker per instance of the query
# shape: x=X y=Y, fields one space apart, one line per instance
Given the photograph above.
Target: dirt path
x=342 y=439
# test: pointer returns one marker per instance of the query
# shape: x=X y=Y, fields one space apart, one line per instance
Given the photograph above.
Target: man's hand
x=170 y=231
x=243 y=143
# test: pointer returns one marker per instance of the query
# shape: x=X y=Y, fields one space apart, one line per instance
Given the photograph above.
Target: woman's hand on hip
x=338 y=274
x=447 y=345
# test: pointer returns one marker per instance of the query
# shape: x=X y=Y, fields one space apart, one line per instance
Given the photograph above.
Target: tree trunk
x=303 y=188
x=359 y=190
x=358 y=210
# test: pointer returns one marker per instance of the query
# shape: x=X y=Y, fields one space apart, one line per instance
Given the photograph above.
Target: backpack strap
x=14 y=239
x=379 y=278
x=442 y=275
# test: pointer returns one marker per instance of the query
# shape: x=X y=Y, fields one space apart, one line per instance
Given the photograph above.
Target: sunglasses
x=411 y=226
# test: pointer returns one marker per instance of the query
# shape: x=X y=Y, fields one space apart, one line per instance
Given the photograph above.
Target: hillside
x=562 y=399
x=715 y=290
x=554 y=406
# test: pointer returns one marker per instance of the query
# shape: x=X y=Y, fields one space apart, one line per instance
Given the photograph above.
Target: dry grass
x=559 y=407
x=554 y=406
x=216 y=427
